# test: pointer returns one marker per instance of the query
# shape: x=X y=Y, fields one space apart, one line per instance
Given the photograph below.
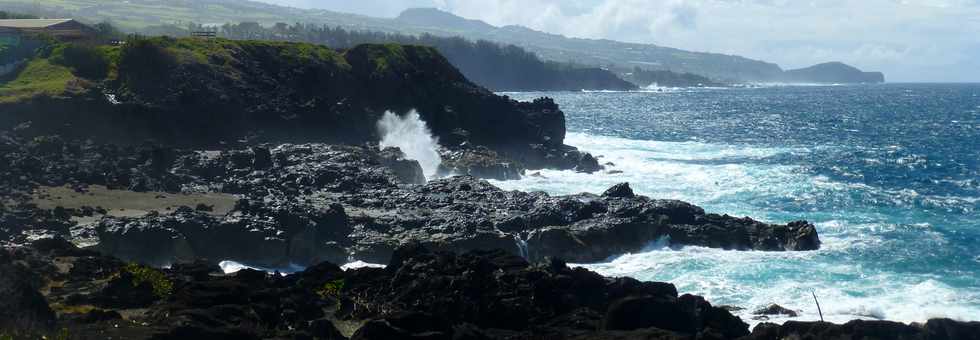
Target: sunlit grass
x=40 y=77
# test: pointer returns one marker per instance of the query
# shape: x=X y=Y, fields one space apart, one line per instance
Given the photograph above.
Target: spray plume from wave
x=410 y=134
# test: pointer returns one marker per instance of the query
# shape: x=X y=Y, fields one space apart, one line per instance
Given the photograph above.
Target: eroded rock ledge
x=51 y=287
x=306 y=203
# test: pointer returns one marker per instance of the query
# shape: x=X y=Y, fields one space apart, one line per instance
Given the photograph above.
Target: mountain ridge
x=604 y=53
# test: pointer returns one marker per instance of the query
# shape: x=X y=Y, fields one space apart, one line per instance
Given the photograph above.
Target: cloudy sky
x=909 y=40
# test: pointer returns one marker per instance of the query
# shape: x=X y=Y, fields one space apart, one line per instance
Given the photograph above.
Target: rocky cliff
x=213 y=92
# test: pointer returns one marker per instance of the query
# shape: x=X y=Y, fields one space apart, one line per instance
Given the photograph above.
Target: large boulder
x=22 y=307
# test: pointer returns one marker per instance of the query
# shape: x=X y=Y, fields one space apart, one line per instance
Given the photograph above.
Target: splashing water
x=410 y=134
x=522 y=246
x=888 y=174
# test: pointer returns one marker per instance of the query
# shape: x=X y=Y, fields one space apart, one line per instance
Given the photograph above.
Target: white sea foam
x=696 y=172
x=411 y=134
x=360 y=264
x=751 y=280
x=231 y=267
x=749 y=181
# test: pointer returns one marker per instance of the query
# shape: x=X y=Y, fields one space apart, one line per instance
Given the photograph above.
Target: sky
x=909 y=40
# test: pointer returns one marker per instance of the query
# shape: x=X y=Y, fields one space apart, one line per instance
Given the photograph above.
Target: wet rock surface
x=775 y=309
x=421 y=294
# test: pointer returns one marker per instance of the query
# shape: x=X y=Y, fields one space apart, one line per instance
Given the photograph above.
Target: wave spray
x=410 y=134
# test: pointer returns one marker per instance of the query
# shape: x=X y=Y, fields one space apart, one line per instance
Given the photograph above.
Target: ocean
x=889 y=174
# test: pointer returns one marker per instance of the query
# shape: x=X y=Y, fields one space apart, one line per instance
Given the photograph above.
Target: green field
x=134 y=15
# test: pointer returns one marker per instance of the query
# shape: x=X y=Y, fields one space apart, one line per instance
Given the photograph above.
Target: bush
x=162 y=286
x=331 y=289
x=144 y=64
x=85 y=61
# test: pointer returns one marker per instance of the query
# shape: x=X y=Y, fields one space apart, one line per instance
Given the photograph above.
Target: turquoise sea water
x=890 y=174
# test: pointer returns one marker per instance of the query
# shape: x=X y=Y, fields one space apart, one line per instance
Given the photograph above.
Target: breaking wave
x=410 y=134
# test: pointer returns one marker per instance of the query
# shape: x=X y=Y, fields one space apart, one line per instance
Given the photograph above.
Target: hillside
x=495 y=66
x=140 y=14
x=208 y=92
x=834 y=72
x=668 y=79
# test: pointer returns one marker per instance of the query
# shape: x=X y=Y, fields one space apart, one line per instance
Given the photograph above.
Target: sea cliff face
x=209 y=92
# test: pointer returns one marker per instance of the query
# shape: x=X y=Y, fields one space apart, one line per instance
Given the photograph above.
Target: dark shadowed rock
x=422 y=294
x=621 y=190
x=22 y=307
x=947 y=329
x=858 y=329
x=262 y=158
x=775 y=309
x=408 y=171
x=479 y=162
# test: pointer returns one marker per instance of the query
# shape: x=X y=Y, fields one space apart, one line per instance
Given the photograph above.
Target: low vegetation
x=495 y=66
x=331 y=289
x=162 y=286
x=51 y=69
x=39 y=77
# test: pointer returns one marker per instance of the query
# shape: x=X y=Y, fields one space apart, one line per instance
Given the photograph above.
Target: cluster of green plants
x=331 y=289
x=53 y=67
x=162 y=286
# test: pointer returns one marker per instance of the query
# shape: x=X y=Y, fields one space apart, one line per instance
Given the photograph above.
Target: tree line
x=495 y=66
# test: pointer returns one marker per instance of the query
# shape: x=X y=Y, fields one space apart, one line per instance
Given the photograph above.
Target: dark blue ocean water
x=890 y=174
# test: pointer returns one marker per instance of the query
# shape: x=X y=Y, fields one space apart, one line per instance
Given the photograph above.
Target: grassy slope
x=40 y=77
x=54 y=75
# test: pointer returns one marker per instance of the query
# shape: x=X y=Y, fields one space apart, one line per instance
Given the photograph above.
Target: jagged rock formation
x=60 y=290
x=305 y=203
x=421 y=294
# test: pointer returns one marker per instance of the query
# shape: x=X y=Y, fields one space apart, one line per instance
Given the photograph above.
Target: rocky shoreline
x=305 y=203
x=500 y=253
x=119 y=200
x=52 y=287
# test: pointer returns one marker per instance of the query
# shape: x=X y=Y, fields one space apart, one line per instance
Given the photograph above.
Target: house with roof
x=14 y=30
x=17 y=41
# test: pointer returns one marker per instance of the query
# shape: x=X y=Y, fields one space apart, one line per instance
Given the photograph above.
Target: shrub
x=145 y=63
x=162 y=286
x=85 y=61
x=331 y=289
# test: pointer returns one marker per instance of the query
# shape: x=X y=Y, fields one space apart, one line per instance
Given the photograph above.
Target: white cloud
x=907 y=39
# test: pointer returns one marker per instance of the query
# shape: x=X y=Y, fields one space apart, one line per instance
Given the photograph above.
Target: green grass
x=138 y=14
x=40 y=77
x=143 y=63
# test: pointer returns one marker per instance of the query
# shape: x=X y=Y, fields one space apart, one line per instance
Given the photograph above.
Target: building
x=62 y=29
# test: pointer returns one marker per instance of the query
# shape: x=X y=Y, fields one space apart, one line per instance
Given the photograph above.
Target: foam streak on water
x=875 y=263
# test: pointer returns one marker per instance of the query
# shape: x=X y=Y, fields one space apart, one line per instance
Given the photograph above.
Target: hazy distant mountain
x=606 y=53
x=834 y=72
x=624 y=57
